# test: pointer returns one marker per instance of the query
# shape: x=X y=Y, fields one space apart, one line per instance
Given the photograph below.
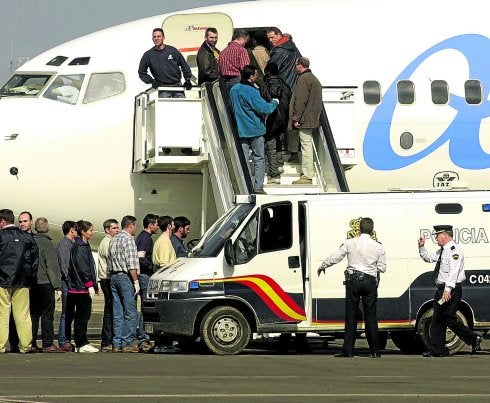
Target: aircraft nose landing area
x=260 y=374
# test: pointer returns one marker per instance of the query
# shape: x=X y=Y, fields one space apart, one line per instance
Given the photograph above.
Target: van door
x=186 y=33
x=267 y=272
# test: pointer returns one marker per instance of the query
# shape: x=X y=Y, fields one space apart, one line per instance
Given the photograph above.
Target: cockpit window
x=104 y=85
x=26 y=85
x=65 y=88
x=57 y=61
x=79 y=61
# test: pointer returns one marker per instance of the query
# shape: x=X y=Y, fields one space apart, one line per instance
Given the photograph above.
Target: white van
x=255 y=269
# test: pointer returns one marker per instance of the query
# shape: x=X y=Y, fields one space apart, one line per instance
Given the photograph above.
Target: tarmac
x=260 y=374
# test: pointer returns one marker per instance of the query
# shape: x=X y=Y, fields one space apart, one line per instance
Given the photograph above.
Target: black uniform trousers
x=42 y=306
x=357 y=288
x=444 y=317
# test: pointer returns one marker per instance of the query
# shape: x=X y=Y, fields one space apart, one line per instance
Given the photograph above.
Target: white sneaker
x=274 y=181
x=88 y=348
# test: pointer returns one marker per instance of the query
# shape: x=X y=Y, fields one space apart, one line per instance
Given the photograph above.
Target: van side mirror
x=229 y=253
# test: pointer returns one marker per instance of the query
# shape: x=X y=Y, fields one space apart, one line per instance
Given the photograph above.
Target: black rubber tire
x=453 y=342
x=407 y=341
x=225 y=331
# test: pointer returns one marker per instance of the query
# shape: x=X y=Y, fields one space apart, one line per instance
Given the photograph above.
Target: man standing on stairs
x=250 y=110
x=304 y=114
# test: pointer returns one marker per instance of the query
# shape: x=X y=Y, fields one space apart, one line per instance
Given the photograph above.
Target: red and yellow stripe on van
x=274 y=297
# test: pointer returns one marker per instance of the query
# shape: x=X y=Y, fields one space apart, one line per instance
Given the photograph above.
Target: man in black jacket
x=18 y=269
x=207 y=58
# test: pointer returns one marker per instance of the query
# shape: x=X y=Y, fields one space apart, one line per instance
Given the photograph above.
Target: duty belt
x=356 y=275
x=441 y=286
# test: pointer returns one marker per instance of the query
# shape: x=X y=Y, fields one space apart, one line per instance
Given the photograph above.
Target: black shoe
x=476 y=345
x=431 y=354
x=260 y=191
x=343 y=355
x=376 y=355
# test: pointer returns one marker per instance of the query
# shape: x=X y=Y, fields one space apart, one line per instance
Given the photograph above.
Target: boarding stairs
x=196 y=134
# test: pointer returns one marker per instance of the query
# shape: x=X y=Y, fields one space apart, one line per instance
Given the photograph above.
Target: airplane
x=406 y=93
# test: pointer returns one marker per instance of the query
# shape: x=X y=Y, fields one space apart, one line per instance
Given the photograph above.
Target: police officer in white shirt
x=365 y=260
x=449 y=273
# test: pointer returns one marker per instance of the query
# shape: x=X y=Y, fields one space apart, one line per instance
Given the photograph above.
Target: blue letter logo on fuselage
x=465 y=148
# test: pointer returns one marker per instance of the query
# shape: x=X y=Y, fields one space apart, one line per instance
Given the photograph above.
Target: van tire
x=407 y=341
x=453 y=342
x=225 y=331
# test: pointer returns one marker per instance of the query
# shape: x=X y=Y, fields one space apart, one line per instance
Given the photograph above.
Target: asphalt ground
x=259 y=374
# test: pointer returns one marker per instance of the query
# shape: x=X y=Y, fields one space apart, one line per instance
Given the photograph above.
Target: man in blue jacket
x=250 y=110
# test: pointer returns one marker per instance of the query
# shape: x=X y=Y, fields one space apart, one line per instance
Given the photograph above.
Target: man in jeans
x=111 y=228
x=144 y=243
x=250 y=110
x=122 y=262
x=63 y=251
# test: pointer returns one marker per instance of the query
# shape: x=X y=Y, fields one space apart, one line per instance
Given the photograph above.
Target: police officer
x=449 y=273
x=365 y=259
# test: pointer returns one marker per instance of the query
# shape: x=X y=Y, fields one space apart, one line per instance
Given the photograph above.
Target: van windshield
x=213 y=240
x=25 y=85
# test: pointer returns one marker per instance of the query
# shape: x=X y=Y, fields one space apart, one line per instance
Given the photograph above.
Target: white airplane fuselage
x=67 y=161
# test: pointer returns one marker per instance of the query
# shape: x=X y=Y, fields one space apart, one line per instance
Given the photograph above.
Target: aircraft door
x=339 y=105
x=267 y=271
x=186 y=33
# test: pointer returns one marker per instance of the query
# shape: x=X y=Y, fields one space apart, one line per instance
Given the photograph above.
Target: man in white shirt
x=365 y=260
x=449 y=273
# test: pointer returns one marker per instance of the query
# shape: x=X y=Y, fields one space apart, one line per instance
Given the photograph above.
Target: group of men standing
x=33 y=273
x=242 y=70
x=125 y=265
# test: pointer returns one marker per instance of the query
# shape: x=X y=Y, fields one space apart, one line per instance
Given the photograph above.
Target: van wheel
x=407 y=341
x=225 y=331
x=453 y=342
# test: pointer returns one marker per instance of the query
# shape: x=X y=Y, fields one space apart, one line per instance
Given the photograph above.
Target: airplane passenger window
x=65 y=88
x=406 y=92
x=406 y=140
x=372 y=92
x=104 y=85
x=473 y=92
x=25 y=85
x=440 y=92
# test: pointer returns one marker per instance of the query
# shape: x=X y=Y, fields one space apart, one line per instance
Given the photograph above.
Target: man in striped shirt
x=234 y=58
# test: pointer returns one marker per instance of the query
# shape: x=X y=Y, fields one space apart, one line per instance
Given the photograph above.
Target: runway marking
x=384 y=376
x=250 y=395
x=154 y=377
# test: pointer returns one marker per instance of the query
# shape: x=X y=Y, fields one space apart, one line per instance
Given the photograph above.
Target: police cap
x=442 y=228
